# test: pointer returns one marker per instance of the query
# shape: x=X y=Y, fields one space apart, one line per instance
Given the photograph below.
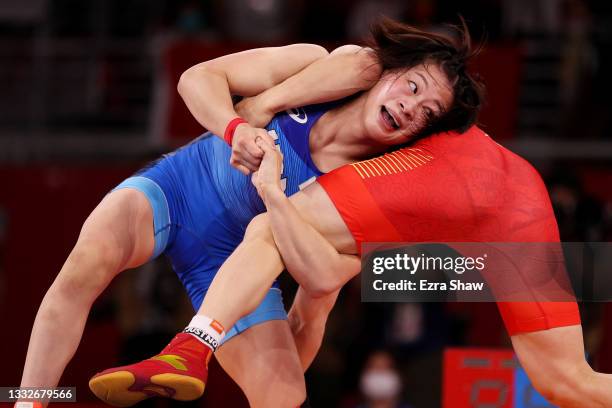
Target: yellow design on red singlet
x=392 y=163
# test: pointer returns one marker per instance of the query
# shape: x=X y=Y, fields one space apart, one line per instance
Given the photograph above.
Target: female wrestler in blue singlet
x=202 y=206
x=194 y=207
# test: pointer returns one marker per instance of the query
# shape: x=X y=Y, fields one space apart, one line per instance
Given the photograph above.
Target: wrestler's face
x=403 y=103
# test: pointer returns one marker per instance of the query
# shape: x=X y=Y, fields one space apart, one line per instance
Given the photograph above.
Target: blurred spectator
x=578 y=66
x=365 y=12
x=579 y=215
x=579 y=57
x=190 y=19
x=23 y=11
x=525 y=17
x=600 y=102
x=259 y=21
x=380 y=383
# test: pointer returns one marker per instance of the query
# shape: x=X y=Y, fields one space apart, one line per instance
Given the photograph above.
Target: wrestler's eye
x=428 y=113
x=413 y=86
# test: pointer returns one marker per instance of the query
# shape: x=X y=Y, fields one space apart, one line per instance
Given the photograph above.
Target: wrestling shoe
x=178 y=372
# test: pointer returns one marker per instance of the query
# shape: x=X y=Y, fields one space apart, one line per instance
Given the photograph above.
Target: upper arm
x=361 y=59
x=315 y=206
x=253 y=71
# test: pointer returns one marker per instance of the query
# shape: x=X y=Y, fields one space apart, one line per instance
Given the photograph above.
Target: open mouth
x=388 y=118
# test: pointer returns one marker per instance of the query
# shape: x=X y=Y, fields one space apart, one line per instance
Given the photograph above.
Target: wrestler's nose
x=407 y=108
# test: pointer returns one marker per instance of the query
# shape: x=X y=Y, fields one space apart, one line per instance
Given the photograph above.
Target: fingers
x=247 y=158
x=245 y=166
x=265 y=136
x=255 y=149
x=249 y=147
x=263 y=145
x=243 y=169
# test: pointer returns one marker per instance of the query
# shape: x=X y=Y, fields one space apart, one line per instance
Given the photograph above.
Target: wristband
x=228 y=136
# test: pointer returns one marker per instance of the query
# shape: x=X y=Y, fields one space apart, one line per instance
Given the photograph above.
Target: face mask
x=380 y=384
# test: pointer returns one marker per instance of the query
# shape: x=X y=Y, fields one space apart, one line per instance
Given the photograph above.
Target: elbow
x=184 y=81
x=322 y=286
x=310 y=52
x=317 y=51
x=326 y=278
x=317 y=281
x=361 y=63
x=358 y=57
x=192 y=77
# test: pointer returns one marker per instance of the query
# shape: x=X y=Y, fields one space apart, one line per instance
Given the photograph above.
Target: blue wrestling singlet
x=202 y=205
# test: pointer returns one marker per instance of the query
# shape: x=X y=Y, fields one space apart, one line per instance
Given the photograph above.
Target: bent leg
x=250 y=270
x=116 y=236
x=245 y=277
x=555 y=362
x=264 y=362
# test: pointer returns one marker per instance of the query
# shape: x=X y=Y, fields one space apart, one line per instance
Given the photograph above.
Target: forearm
x=342 y=73
x=308 y=339
x=208 y=97
x=310 y=258
x=307 y=319
x=206 y=88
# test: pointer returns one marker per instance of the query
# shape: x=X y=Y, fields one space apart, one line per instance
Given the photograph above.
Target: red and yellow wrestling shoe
x=178 y=372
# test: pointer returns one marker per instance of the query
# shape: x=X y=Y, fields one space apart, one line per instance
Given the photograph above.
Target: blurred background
x=88 y=95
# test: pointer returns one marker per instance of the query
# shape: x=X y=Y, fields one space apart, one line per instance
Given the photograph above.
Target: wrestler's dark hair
x=400 y=46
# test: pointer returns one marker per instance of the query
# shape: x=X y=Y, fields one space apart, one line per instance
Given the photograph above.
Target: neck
x=339 y=137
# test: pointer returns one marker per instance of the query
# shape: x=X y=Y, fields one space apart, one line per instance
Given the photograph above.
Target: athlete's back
x=491 y=193
x=453 y=187
x=450 y=187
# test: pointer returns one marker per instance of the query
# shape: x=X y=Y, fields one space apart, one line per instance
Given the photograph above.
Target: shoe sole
x=114 y=388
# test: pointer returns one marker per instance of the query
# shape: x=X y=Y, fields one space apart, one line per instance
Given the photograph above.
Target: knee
x=259 y=228
x=91 y=265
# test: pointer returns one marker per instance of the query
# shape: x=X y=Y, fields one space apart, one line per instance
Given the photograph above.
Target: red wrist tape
x=228 y=136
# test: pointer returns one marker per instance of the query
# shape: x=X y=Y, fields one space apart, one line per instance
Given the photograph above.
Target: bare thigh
x=263 y=361
x=118 y=234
